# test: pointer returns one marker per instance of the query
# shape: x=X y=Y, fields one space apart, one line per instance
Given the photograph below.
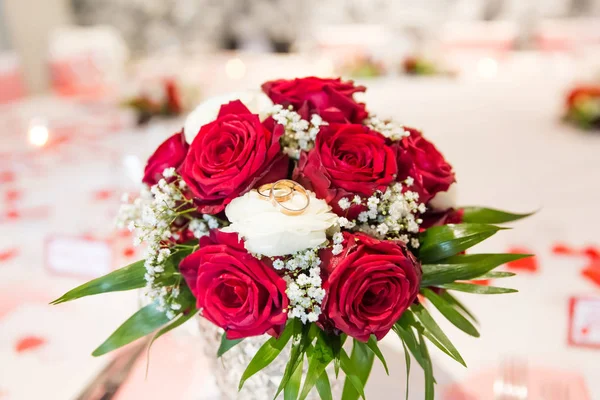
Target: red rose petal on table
x=103 y=194
x=563 y=249
x=6 y=255
x=592 y=272
x=28 y=343
x=483 y=282
x=12 y=195
x=7 y=176
x=525 y=264
x=129 y=252
x=592 y=252
x=12 y=214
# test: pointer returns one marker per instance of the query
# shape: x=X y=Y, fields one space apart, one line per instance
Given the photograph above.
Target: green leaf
x=372 y=345
x=451 y=314
x=434 y=333
x=267 y=353
x=407 y=363
x=476 y=289
x=496 y=275
x=357 y=369
x=292 y=388
x=143 y=322
x=127 y=278
x=227 y=344
x=299 y=348
x=324 y=387
x=458 y=305
x=464 y=267
x=406 y=334
x=320 y=358
x=490 y=216
x=429 y=379
x=441 y=242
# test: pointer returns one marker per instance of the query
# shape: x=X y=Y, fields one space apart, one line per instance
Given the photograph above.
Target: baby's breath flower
x=299 y=134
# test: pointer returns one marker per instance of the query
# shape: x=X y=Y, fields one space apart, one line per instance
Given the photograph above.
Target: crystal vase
x=229 y=368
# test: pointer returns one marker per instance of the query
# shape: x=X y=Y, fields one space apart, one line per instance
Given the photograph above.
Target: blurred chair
x=87 y=62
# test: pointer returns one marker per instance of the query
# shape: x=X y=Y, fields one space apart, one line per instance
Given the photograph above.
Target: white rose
x=269 y=232
x=207 y=111
x=443 y=201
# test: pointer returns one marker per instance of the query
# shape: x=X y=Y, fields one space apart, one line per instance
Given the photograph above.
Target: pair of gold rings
x=282 y=191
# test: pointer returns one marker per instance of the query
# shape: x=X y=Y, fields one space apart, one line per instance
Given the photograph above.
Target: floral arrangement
x=362 y=66
x=163 y=100
x=316 y=226
x=583 y=107
x=420 y=66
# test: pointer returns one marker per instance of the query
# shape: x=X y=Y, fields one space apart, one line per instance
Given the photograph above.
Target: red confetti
x=29 y=343
x=129 y=252
x=529 y=264
x=8 y=254
x=563 y=249
x=13 y=214
x=592 y=252
x=12 y=195
x=103 y=194
x=7 y=176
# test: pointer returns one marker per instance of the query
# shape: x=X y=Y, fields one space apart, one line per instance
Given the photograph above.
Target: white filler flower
x=269 y=232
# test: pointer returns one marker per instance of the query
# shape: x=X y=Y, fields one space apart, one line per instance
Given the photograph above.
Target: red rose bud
x=332 y=99
x=170 y=154
x=347 y=160
x=230 y=156
x=236 y=291
x=420 y=159
x=369 y=285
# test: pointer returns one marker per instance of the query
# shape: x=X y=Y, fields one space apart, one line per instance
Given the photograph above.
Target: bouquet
x=320 y=227
x=583 y=107
x=162 y=100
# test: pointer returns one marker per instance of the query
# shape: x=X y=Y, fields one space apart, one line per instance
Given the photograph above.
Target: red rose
x=370 y=284
x=420 y=159
x=347 y=160
x=332 y=99
x=170 y=154
x=230 y=156
x=234 y=290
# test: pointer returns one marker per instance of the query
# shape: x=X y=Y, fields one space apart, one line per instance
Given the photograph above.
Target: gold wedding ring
x=280 y=194
x=296 y=188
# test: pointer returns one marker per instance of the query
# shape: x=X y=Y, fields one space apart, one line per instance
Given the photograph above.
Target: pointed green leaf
x=464 y=267
x=407 y=364
x=324 y=387
x=127 y=278
x=143 y=322
x=318 y=360
x=299 y=348
x=458 y=305
x=444 y=241
x=372 y=345
x=429 y=379
x=227 y=344
x=451 y=314
x=357 y=368
x=476 y=289
x=496 y=275
x=434 y=333
x=292 y=388
x=267 y=353
x=484 y=215
x=406 y=334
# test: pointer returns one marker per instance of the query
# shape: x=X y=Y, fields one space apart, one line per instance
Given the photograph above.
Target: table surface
x=502 y=134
